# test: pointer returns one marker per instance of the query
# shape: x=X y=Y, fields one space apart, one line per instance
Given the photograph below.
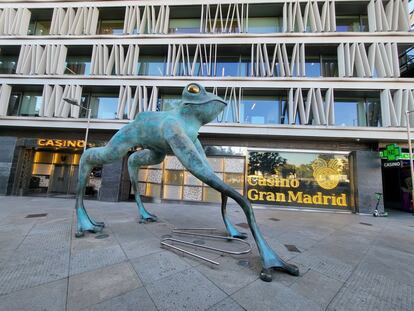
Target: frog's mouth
x=218 y=99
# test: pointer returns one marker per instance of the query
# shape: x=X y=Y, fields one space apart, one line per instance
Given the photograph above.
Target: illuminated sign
x=61 y=143
x=301 y=179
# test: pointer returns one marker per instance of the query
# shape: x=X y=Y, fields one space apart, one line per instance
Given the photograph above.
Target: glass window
x=7 y=64
x=350 y=23
x=229 y=66
x=103 y=106
x=358 y=112
x=173 y=177
x=111 y=27
x=39 y=28
x=329 y=66
x=312 y=66
x=78 y=65
x=184 y=25
x=26 y=104
x=260 y=110
x=264 y=24
x=151 y=65
x=346 y=113
x=298 y=178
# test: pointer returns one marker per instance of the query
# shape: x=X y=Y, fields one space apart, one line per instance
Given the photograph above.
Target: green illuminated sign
x=394 y=153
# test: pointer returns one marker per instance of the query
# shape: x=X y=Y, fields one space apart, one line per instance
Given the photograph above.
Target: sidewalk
x=347 y=262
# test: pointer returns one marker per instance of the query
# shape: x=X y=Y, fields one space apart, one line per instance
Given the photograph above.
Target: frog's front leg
x=187 y=153
x=135 y=161
x=231 y=230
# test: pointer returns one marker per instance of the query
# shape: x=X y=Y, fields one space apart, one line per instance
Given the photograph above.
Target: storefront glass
x=171 y=181
x=299 y=179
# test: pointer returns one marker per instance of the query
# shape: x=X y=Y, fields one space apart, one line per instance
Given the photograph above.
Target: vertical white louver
x=381 y=61
x=228 y=18
x=233 y=97
x=122 y=60
x=146 y=20
x=314 y=109
x=394 y=17
x=309 y=18
x=38 y=60
x=53 y=104
x=394 y=105
x=278 y=63
x=74 y=21
x=130 y=103
x=180 y=61
x=5 y=91
x=14 y=21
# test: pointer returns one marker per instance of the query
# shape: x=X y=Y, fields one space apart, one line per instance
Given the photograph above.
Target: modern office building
x=315 y=90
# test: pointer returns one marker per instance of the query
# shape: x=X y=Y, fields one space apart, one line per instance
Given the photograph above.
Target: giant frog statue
x=174 y=131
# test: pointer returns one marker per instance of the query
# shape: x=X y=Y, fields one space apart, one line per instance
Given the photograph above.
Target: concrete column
x=367 y=180
x=111 y=181
x=8 y=146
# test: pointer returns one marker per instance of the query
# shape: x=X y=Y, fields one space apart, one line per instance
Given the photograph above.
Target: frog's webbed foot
x=266 y=273
x=96 y=223
x=146 y=216
x=85 y=224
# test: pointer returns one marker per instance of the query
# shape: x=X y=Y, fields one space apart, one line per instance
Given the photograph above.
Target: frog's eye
x=193 y=88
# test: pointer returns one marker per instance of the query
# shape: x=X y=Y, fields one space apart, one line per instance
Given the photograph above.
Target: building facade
x=315 y=90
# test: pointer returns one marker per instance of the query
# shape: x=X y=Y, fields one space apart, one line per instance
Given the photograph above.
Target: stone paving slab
x=344 y=265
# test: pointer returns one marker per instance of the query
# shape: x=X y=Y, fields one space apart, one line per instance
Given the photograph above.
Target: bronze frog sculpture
x=173 y=131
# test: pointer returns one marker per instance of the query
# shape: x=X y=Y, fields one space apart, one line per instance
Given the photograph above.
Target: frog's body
x=174 y=131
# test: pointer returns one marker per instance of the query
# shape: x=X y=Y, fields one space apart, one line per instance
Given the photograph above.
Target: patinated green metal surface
x=174 y=131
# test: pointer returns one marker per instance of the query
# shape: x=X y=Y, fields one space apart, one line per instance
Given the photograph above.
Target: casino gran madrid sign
x=299 y=179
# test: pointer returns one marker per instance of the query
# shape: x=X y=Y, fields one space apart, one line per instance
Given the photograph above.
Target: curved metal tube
x=225 y=251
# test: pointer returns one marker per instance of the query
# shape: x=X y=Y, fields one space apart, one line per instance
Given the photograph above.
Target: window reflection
x=79 y=65
x=184 y=25
x=39 y=28
x=263 y=110
x=111 y=27
x=151 y=65
x=104 y=106
x=351 y=23
x=264 y=25
x=357 y=112
x=25 y=104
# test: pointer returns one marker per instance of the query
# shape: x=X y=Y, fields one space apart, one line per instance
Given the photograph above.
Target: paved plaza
x=347 y=262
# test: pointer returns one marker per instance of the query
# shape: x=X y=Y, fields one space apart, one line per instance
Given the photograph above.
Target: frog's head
x=203 y=105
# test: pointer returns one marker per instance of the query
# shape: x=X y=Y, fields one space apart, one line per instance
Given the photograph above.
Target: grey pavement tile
x=227 y=304
x=185 y=290
x=136 y=300
x=141 y=247
x=93 y=287
x=91 y=259
x=317 y=287
x=391 y=263
x=230 y=276
x=158 y=265
x=331 y=267
x=32 y=267
x=46 y=297
x=393 y=292
x=349 y=299
x=272 y=296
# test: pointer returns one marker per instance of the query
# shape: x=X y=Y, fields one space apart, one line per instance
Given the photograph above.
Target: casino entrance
x=50 y=168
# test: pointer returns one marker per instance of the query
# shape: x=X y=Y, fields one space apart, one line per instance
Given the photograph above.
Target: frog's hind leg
x=135 y=161
x=231 y=230
x=84 y=221
x=115 y=149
